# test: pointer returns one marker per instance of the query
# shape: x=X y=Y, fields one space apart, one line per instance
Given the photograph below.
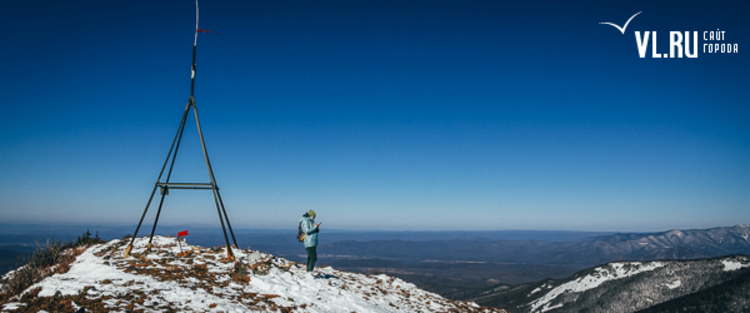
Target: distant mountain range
x=706 y=285
x=460 y=268
x=673 y=244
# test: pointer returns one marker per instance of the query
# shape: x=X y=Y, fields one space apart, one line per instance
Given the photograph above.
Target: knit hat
x=311 y=213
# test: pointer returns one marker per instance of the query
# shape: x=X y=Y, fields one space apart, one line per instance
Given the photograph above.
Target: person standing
x=310 y=228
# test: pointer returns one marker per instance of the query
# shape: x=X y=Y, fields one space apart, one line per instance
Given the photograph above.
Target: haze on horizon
x=419 y=115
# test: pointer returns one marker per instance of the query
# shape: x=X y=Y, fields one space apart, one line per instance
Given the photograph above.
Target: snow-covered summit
x=203 y=280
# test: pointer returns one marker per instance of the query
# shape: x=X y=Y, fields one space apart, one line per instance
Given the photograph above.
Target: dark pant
x=312 y=257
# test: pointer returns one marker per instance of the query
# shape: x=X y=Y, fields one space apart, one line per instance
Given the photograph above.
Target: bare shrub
x=50 y=258
x=48 y=254
x=21 y=279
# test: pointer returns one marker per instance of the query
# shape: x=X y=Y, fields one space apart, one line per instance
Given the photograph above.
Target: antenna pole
x=195 y=47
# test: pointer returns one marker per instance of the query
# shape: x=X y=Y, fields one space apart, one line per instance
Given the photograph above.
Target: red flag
x=182 y=233
x=206 y=31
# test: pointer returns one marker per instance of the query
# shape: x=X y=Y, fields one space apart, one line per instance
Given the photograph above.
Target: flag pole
x=195 y=47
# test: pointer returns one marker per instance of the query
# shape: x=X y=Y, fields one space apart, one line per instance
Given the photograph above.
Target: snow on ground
x=600 y=275
x=203 y=280
x=733 y=265
x=674 y=284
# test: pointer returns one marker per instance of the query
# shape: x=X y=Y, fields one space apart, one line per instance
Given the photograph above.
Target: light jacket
x=311 y=232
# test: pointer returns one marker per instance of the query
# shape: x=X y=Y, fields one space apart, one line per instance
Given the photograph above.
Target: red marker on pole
x=181 y=234
x=206 y=31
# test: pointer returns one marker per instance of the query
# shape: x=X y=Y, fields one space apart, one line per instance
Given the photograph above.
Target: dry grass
x=48 y=259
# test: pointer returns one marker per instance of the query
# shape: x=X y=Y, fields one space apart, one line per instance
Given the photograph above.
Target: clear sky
x=394 y=115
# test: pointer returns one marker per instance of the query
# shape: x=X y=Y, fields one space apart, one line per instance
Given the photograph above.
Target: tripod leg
x=214 y=188
x=158 y=212
x=230 y=254
x=132 y=240
x=227 y=218
x=176 y=141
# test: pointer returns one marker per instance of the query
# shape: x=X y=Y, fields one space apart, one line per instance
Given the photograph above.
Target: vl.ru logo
x=681 y=44
x=676 y=45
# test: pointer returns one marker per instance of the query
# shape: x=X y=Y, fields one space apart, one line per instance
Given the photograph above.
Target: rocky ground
x=176 y=277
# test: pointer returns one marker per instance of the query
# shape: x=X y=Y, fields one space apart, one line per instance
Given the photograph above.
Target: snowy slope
x=203 y=281
x=600 y=275
x=624 y=287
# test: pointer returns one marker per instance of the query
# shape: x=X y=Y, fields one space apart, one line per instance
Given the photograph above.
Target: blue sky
x=395 y=115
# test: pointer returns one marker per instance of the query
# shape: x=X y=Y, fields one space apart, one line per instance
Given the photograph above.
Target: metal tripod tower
x=166 y=185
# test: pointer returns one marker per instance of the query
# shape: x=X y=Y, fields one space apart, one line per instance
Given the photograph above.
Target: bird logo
x=621 y=29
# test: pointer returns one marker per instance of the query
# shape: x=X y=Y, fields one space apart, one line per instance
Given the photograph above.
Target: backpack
x=300 y=233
